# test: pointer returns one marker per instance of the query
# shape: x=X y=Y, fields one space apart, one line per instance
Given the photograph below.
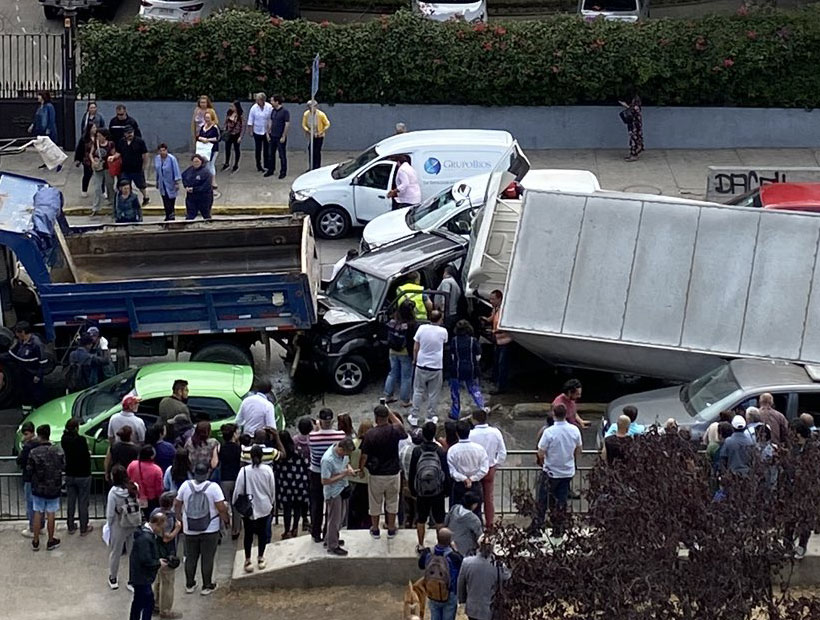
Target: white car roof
x=582 y=181
x=443 y=137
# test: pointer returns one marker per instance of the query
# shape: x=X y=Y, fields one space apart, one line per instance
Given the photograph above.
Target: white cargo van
x=340 y=196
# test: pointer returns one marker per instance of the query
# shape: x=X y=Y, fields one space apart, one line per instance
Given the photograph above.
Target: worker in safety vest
x=412 y=290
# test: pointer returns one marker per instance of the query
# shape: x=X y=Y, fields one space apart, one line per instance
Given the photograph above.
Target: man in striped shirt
x=319 y=440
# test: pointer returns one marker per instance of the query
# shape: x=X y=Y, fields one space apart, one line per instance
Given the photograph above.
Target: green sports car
x=215 y=394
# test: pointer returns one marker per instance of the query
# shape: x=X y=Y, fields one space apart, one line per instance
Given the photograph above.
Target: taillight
x=192 y=7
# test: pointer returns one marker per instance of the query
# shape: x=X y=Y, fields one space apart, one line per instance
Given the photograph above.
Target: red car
x=789 y=196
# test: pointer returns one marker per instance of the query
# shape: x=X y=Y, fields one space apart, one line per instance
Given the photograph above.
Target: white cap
x=738 y=423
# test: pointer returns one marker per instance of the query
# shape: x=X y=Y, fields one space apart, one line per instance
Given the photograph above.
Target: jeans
x=427 y=382
x=168 y=204
x=261 y=149
x=78 y=491
x=278 y=148
x=258 y=527
x=455 y=395
x=200 y=546
x=317 y=152
x=29 y=506
x=401 y=372
x=212 y=165
x=143 y=603
x=445 y=610
x=164 y=589
x=552 y=495
x=232 y=143
x=317 y=505
x=501 y=366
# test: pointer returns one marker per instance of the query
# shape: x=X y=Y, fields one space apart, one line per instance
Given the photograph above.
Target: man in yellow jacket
x=412 y=290
x=314 y=116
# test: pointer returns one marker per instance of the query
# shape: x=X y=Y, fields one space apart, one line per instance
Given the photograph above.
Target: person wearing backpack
x=123 y=516
x=428 y=481
x=200 y=504
x=401 y=365
x=84 y=367
x=441 y=567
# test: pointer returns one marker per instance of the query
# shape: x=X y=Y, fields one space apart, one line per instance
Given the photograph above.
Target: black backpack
x=429 y=480
x=396 y=336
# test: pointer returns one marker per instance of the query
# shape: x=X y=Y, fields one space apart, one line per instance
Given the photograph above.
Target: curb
x=180 y=211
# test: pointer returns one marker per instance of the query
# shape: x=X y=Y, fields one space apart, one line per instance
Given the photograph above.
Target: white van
x=352 y=193
x=468 y=10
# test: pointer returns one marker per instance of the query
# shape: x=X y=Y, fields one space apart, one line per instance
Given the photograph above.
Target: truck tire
x=10 y=390
x=350 y=375
x=51 y=12
x=223 y=353
x=332 y=223
x=6 y=339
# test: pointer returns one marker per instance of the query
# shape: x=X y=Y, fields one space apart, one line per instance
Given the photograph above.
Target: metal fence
x=508 y=478
x=30 y=63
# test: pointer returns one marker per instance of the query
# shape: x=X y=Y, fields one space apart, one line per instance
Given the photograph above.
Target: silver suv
x=739 y=383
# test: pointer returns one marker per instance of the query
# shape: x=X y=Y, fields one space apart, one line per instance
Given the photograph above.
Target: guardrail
x=520 y=472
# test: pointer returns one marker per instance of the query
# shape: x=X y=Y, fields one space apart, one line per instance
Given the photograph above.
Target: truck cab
x=350 y=340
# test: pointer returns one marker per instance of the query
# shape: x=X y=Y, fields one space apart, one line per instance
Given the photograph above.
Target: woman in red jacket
x=148 y=477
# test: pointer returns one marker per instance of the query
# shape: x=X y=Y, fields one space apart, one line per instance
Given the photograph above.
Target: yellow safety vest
x=413 y=293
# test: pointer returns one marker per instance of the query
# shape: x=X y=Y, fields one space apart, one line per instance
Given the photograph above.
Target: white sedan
x=188 y=11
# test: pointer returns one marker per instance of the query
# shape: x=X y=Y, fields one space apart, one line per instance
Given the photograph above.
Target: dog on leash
x=414 y=601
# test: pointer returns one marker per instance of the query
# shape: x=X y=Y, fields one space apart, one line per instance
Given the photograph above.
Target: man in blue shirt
x=278 y=142
x=335 y=469
x=441 y=587
x=736 y=453
x=631 y=412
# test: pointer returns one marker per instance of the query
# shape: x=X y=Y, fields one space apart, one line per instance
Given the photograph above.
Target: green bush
x=761 y=59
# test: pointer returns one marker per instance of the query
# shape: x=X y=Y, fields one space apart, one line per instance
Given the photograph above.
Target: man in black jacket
x=145 y=563
x=45 y=466
x=427 y=504
x=77 y=475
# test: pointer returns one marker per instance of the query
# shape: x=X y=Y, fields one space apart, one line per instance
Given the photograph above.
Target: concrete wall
x=724 y=182
x=357 y=126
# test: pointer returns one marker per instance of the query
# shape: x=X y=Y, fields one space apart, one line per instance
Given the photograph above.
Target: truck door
x=370 y=191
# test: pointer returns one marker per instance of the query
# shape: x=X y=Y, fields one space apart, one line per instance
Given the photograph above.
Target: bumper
x=309 y=207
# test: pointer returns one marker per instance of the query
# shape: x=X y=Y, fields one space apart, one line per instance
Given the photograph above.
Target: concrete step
x=301 y=563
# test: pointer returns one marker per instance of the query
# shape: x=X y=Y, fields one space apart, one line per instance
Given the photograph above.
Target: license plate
x=164 y=11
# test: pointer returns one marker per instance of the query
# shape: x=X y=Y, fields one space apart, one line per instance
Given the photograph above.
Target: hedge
x=765 y=59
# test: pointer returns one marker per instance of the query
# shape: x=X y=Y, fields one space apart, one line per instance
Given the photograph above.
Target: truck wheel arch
x=224 y=352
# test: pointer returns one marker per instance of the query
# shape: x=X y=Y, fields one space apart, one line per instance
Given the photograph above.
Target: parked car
x=468 y=10
x=187 y=11
x=352 y=193
x=216 y=392
x=105 y=9
x=736 y=384
x=614 y=10
x=451 y=209
x=782 y=196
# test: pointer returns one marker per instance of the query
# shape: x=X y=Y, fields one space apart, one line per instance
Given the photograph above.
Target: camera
x=383 y=401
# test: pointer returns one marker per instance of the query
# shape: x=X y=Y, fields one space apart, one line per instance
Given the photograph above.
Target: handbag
x=115 y=167
x=244 y=502
x=205 y=150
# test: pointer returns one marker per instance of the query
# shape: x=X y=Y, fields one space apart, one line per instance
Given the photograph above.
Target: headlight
x=303 y=194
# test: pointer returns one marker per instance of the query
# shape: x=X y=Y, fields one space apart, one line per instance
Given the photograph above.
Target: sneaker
x=145 y=201
x=84 y=194
x=261 y=564
x=282 y=175
x=317 y=540
x=375 y=534
x=129 y=587
x=413 y=420
x=248 y=566
x=337 y=551
x=433 y=419
x=799 y=552
x=391 y=534
x=87 y=531
x=235 y=168
x=340 y=541
x=52 y=544
x=72 y=531
x=225 y=167
x=113 y=583
x=27 y=533
x=420 y=549
x=190 y=589
x=209 y=589
x=35 y=545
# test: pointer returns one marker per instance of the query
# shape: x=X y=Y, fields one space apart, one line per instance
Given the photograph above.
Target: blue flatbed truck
x=211 y=288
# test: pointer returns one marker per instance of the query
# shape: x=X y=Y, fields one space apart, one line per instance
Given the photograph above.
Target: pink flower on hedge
x=276 y=21
x=247 y=68
x=487 y=46
x=555 y=68
x=480 y=27
x=297 y=43
x=751 y=34
x=663 y=42
x=322 y=65
x=142 y=28
x=262 y=78
x=226 y=44
x=500 y=30
x=700 y=44
x=728 y=62
x=339 y=92
x=324 y=23
x=251 y=50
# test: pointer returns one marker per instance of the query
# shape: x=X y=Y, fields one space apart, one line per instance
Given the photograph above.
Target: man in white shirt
x=428 y=357
x=127 y=417
x=559 y=446
x=259 y=122
x=492 y=441
x=408 y=190
x=256 y=411
x=468 y=463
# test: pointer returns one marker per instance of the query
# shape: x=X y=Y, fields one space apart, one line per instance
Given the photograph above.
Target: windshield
x=358 y=290
x=749 y=199
x=705 y=391
x=346 y=168
x=102 y=397
x=428 y=214
x=610 y=5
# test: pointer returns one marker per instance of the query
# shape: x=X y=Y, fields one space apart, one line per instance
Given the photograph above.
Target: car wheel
x=350 y=375
x=332 y=223
x=223 y=353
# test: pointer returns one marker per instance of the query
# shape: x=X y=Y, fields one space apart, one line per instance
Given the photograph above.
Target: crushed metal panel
x=542 y=261
x=660 y=274
x=716 y=302
x=780 y=285
x=600 y=279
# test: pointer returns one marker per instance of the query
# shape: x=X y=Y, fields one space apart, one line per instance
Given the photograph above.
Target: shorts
x=137 y=178
x=41 y=504
x=427 y=505
x=383 y=491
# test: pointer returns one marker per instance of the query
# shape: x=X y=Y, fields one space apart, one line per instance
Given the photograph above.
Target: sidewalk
x=670 y=172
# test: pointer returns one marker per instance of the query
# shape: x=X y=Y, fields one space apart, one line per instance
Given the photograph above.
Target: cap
x=128 y=129
x=93 y=331
x=325 y=414
x=180 y=418
x=200 y=472
x=130 y=401
x=738 y=423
